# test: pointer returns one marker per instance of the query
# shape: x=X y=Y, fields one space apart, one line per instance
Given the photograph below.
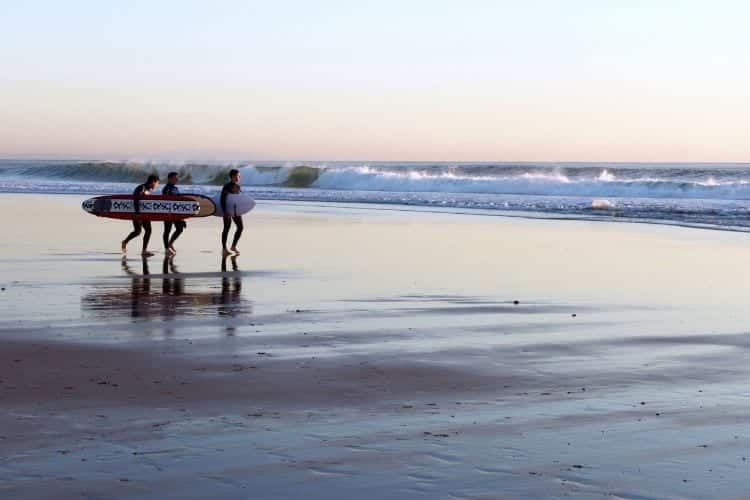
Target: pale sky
x=534 y=80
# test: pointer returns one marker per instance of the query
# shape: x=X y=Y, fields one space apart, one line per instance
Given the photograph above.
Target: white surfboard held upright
x=237 y=204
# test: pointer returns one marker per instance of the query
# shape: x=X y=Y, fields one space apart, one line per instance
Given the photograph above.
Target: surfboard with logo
x=150 y=208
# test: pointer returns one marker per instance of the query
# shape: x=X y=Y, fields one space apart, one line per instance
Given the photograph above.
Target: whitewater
x=706 y=195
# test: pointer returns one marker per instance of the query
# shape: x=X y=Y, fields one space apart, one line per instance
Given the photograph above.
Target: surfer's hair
x=171 y=174
x=233 y=172
x=152 y=178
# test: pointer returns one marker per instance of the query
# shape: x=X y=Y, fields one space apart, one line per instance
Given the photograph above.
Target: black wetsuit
x=139 y=192
x=179 y=225
x=228 y=218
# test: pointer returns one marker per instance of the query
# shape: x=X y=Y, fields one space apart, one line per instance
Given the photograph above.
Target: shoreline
x=697 y=212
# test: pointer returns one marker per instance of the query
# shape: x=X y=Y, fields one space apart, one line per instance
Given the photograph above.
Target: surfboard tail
x=237 y=204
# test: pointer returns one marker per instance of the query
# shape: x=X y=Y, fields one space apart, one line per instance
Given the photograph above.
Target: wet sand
x=370 y=352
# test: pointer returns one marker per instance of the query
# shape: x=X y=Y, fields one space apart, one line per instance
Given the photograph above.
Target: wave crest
x=609 y=180
x=592 y=182
x=110 y=171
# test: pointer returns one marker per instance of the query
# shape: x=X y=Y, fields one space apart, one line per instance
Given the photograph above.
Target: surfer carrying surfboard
x=171 y=189
x=142 y=190
x=231 y=187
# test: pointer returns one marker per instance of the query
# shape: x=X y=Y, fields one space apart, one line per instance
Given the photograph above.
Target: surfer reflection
x=181 y=294
x=172 y=283
x=144 y=303
x=140 y=287
x=230 y=299
x=231 y=288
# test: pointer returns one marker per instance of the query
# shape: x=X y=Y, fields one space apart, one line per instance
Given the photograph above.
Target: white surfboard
x=237 y=204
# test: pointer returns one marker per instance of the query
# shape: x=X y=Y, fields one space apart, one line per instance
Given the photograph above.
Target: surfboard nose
x=89 y=205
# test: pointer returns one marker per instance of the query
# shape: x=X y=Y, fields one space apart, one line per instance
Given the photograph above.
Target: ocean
x=707 y=195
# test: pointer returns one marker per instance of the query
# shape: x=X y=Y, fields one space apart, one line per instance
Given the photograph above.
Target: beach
x=366 y=350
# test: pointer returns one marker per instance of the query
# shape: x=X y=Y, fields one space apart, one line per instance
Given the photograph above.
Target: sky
x=525 y=80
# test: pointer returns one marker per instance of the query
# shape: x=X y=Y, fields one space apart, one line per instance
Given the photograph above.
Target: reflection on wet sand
x=231 y=288
x=172 y=283
x=178 y=296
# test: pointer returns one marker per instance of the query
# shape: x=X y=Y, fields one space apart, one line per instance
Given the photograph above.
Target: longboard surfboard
x=237 y=204
x=150 y=208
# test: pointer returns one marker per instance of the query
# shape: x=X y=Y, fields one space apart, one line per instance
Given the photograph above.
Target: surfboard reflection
x=180 y=295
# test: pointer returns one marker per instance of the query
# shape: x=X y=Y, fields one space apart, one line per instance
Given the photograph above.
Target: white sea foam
x=600 y=204
x=553 y=183
x=606 y=176
x=710 y=195
x=691 y=182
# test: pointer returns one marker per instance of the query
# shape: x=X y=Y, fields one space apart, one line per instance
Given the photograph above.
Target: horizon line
x=102 y=159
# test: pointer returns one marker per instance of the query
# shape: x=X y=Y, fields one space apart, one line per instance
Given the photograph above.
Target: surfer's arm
x=223 y=200
x=137 y=195
x=137 y=201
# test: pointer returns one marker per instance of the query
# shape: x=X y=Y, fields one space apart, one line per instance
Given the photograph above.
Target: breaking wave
x=698 y=195
x=699 y=181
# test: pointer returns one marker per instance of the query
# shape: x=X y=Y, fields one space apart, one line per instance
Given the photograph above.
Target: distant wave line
x=688 y=181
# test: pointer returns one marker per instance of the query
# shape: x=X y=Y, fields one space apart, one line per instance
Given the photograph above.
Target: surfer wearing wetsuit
x=231 y=187
x=170 y=189
x=139 y=192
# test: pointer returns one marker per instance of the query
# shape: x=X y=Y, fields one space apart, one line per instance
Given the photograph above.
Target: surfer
x=170 y=189
x=138 y=225
x=231 y=187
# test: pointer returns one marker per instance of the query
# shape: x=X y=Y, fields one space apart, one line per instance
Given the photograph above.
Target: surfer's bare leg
x=237 y=233
x=165 y=234
x=134 y=233
x=179 y=227
x=225 y=234
x=146 y=238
